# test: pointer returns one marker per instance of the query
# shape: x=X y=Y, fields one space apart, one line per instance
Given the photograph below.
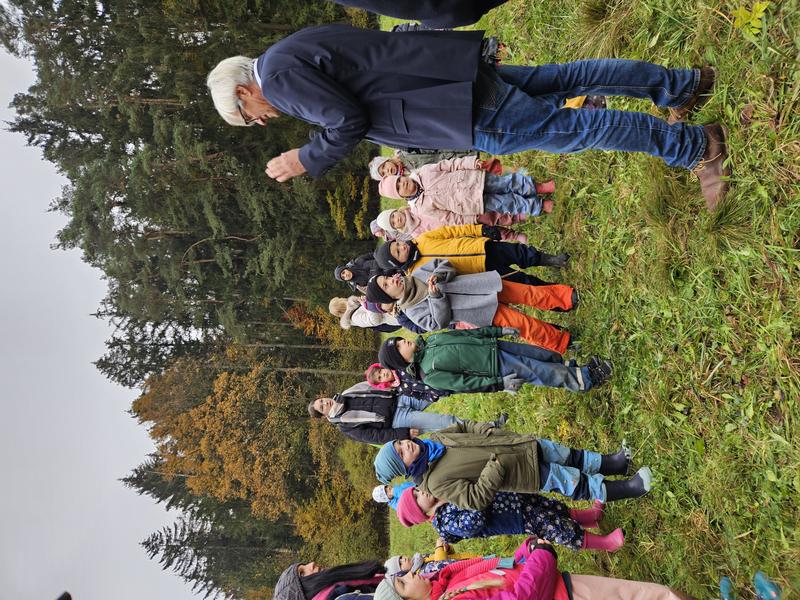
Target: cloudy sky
x=66 y=523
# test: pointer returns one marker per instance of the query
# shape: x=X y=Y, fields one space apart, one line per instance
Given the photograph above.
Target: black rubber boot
x=558 y=261
x=616 y=464
x=635 y=487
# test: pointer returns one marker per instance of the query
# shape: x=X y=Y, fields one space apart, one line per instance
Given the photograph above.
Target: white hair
x=222 y=82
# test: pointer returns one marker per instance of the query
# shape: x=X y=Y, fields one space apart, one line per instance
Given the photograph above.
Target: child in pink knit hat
x=510 y=513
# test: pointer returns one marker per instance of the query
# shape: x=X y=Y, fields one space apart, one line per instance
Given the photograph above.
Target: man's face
x=253 y=107
x=393 y=285
x=346 y=274
x=399 y=251
x=407 y=450
x=391 y=166
x=398 y=219
x=406 y=186
x=323 y=405
x=425 y=501
x=407 y=349
x=383 y=375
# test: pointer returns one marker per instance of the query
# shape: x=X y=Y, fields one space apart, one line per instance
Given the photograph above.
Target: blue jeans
x=409 y=414
x=541 y=367
x=519 y=108
x=570 y=472
x=514 y=194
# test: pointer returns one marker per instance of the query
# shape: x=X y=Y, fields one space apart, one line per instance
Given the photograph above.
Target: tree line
x=215 y=274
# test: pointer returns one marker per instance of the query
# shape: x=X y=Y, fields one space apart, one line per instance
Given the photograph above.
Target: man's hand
x=285 y=166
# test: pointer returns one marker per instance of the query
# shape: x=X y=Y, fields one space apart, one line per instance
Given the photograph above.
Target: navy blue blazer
x=402 y=90
x=433 y=13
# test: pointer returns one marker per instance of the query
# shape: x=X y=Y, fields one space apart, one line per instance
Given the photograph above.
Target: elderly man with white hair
x=431 y=89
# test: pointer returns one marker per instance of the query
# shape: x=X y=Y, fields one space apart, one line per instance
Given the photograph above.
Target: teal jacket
x=464 y=360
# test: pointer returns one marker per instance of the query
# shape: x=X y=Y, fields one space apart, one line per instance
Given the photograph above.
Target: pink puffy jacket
x=537 y=578
x=455 y=185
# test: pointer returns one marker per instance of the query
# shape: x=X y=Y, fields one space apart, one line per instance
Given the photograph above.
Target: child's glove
x=493 y=166
x=510 y=331
x=512 y=382
x=491 y=232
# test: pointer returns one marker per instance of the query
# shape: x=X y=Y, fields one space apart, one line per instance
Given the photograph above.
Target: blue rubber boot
x=726 y=589
x=766 y=589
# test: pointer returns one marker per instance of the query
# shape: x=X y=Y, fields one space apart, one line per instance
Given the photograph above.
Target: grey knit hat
x=386 y=591
x=288 y=586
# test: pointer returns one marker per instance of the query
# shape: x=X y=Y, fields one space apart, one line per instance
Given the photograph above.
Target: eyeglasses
x=247 y=119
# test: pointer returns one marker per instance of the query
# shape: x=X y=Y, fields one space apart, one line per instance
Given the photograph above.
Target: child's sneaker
x=599 y=370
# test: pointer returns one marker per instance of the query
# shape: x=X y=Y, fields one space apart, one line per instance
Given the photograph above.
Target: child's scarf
x=429 y=452
x=414 y=292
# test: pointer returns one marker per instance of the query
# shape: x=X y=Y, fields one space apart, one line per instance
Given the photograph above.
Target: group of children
x=448 y=266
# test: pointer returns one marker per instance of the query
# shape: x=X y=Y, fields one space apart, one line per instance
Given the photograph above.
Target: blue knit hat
x=388 y=464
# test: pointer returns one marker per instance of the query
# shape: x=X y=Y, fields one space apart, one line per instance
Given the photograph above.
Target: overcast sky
x=66 y=522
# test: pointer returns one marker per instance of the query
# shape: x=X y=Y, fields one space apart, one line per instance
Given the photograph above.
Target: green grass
x=698 y=311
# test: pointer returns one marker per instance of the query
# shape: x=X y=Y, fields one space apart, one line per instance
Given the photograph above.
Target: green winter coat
x=479 y=462
x=464 y=360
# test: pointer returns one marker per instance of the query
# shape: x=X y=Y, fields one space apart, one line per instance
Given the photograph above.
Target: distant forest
x=217 y=276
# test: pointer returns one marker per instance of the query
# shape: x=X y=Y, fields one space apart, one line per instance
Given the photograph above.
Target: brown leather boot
x=708 y=75
x=711 y=169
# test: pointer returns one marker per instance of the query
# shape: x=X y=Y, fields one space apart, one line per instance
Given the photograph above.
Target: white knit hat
x=375 y=164
x=385 y=222
x=379 y=494
x=392 y=565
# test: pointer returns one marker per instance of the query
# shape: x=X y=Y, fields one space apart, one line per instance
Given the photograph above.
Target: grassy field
x=698 y=311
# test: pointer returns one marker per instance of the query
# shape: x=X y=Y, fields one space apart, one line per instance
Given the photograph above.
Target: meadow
x=698 y=310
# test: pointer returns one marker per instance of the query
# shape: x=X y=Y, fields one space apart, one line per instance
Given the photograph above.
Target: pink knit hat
x=388 y=187
x=408 y=511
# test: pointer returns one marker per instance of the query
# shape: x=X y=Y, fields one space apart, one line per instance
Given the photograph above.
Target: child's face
x=412 y=587
x=382 y=375
x=308 y=569
x=398 y=219
x=406 y=186
x=346 y=274
x=391 y=166
x=425 y=501
x=389 y=491
x=393 y=285
x=407 y=349
x=405 y=563
x=323 y=405
x=399 y=251
x=407 y=450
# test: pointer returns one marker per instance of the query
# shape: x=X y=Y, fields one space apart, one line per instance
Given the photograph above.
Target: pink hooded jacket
x=537 y=578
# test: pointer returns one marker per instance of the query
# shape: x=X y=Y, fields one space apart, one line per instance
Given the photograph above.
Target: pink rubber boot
x=588 y=518
x=610 y=543
x=548 y=187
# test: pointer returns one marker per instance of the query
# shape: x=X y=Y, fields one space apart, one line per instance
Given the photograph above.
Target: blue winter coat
x=397 y=89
